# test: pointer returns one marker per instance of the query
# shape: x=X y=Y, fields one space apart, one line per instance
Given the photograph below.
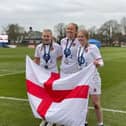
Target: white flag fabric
x=58 y=100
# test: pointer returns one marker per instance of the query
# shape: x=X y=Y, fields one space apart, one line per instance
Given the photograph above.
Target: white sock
x=100 y=124
x=86 y=122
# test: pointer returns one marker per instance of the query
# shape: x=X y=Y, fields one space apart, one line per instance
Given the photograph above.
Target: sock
x=100 y=124
x=86 y=122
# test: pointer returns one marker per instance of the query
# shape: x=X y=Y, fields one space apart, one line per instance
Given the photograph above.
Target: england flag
x=58 y=100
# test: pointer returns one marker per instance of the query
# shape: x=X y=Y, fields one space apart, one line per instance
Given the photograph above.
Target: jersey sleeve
x=59 y=50
x=37 y=52
x=97 y=55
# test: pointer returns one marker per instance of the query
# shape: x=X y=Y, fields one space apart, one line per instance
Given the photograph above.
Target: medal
x=81 y=60
x=67 y=51
x=46 y=55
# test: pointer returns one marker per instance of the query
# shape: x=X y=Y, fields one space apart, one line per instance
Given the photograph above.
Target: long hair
x=86 y=34
x=76 y=27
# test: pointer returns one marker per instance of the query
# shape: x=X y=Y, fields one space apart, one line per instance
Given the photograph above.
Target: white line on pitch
x=111 y=110
x=2 y=75
x=13 y=98
x=26 y=100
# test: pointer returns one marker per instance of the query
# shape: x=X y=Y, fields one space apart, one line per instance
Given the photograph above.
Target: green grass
x=114 y=78
x=14 y=113
x=13 y=60
x=18 y=113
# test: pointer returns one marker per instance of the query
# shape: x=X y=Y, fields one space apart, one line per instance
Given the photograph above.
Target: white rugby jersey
x=90 y=54
x=55 y=52
x=69 y=64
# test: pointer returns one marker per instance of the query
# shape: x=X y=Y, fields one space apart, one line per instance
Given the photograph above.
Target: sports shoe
x=49 y=124
x=43 y=123
x=59 y=125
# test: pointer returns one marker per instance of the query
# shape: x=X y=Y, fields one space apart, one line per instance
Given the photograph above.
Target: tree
x=123 y=25
x=81 y=27
x=111 y=27
x=92 y=31
x=109 y=30
x=14 y=32
x=60 y=31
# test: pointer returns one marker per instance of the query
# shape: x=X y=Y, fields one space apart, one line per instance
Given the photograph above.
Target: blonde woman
x=46 y=55
x=86 y=54
x=69 y=50
x=48 y=52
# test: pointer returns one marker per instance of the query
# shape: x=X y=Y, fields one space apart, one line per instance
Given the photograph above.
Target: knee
x=96 y=106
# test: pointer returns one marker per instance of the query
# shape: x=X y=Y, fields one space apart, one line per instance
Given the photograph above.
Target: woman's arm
x=99 y=62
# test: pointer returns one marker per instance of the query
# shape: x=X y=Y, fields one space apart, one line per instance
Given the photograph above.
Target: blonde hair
x=75 y=25
x=85 y=33
x=48 y=30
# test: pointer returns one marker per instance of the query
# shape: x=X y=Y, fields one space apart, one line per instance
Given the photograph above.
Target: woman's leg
x=97 y=106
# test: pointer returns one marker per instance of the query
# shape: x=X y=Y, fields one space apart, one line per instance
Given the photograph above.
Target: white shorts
x=95 y=86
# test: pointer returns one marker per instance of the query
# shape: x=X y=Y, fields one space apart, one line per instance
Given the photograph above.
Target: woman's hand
x=96 y=63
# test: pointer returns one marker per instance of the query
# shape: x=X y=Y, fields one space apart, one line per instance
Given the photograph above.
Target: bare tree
x=123 y=25
x=60 y=31
x=14 y=32
x=110 y=30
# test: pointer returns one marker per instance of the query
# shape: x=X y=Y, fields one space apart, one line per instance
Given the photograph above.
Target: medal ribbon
x=46 y=55
x=81 y=59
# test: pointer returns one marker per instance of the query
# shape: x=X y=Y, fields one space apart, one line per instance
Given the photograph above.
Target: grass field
x=12 y=84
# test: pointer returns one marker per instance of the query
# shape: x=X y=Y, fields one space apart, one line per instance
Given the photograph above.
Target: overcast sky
x=42 y=14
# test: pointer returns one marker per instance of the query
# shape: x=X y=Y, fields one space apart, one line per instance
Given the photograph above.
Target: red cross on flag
x=58 y=100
